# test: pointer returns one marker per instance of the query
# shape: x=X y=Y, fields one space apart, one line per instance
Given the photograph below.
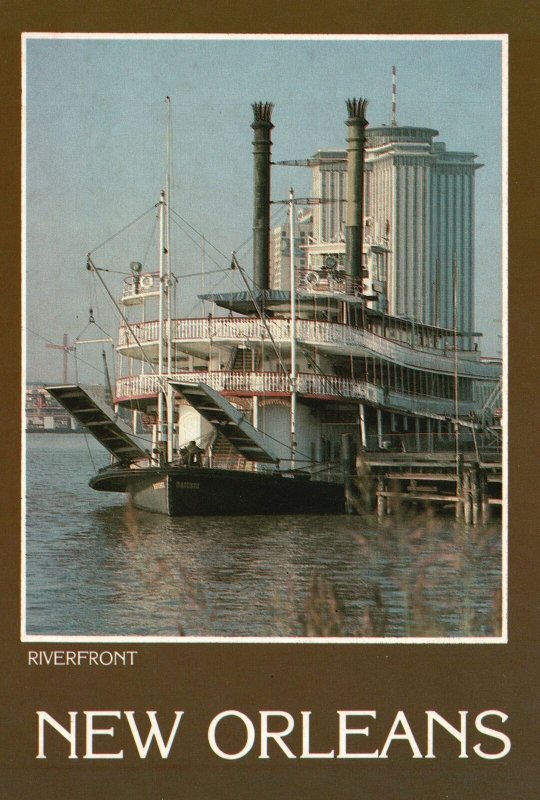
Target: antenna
x=393 y=121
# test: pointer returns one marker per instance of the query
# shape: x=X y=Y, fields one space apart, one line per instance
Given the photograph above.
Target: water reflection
x=97 y=566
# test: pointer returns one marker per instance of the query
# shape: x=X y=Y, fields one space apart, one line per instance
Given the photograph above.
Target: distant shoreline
x=52 y=430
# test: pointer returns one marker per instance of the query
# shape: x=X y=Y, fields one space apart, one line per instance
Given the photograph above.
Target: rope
x=261 y=315
x=137 y=219
x=95 y=269
x=213 y=246
x=151 y=238
x=89 y=451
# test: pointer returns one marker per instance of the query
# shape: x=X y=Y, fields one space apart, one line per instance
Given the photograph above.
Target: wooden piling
x=466 y=496
x=475 y=494
x=408 y=478
x=459 y=488
x=486 y=511
x=348 y=466
x=381 y=499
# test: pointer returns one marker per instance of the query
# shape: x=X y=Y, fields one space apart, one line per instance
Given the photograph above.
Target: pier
x=471 y=484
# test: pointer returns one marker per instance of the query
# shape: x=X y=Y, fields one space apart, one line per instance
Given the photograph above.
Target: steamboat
x=264 y=405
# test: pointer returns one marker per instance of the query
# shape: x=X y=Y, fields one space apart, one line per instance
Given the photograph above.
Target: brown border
x=205 y=679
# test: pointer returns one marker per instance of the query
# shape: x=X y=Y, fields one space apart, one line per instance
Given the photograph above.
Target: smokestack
x=355 y=187
x=262 y=145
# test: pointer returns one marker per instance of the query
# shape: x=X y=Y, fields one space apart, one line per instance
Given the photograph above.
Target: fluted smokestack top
x=357 y=109
x=262 y=112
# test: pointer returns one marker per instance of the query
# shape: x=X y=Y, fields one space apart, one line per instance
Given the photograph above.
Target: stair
x=242 y=360
x=225 y=456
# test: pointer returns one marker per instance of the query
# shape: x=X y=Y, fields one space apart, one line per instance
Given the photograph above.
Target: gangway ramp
x=99 y=419
x=228 y=420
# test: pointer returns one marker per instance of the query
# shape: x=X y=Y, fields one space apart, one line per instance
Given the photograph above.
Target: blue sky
x=95 y=153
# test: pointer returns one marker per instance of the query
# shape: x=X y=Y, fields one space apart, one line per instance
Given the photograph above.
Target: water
x=95 y=566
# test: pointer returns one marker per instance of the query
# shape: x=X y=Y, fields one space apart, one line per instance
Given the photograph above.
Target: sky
x=95 y=117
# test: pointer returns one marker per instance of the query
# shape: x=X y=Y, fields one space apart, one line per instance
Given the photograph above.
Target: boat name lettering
x=188 y=485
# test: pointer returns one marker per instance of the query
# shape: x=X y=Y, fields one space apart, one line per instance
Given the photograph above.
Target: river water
x=97 y=567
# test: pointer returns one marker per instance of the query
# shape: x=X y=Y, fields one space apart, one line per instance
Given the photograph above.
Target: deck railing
x=308 y=385
x=315 y=332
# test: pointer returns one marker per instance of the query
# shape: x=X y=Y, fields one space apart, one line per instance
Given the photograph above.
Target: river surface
x=97 y=567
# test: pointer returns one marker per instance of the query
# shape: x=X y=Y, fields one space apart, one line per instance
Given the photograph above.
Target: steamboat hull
x=193 y=491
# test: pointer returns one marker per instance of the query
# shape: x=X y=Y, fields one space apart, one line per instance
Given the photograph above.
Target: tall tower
x=419 y=203
x=421 y=197
x=329 y=183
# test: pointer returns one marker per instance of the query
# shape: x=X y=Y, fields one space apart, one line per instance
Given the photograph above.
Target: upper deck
x=194 y=336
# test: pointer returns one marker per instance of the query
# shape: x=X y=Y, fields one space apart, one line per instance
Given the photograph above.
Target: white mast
x=168 y=284
x=161 y=395
x=165 y=396
x=293 y=330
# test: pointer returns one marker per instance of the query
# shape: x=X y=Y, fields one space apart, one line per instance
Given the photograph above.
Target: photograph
x=264 y=324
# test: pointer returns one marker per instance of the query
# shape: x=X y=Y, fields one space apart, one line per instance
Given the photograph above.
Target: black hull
x=196 y=491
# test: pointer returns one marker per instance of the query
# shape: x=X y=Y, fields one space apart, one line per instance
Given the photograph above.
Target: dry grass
x=420 y=575
x=424 y=578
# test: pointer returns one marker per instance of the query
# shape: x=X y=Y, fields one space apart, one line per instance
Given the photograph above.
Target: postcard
x=268 y=514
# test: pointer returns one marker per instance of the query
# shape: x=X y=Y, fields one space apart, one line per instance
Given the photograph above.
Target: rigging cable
x=261 y=315
x=133 y=222
x=76 y=357
x=91 y=266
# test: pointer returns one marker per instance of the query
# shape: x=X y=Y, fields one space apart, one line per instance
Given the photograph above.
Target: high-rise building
x=418 y=222
x=421 y=197
x=280 y=260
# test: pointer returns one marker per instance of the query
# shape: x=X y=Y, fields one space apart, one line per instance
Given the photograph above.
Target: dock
x=470 y=484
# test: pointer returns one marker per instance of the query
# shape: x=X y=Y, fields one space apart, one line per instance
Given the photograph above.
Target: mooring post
x=475 y=487
x=363 y=484
x=466 y=494
x=381 y=499
x=486 y=511
x=348 y=468
x=459 y=488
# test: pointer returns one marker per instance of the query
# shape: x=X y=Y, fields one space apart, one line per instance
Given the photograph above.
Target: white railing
x=254 y=382
x=147 y=283
x=330 y=386
x=246 y=329
x=138 y=332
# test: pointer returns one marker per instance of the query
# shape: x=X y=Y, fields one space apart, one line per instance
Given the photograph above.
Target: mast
x=165 y=396
x=293 y=329
x=161 y=349
x=168 y=282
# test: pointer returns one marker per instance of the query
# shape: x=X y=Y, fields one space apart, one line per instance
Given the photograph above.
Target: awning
x=228 y=420
x=242 y=302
